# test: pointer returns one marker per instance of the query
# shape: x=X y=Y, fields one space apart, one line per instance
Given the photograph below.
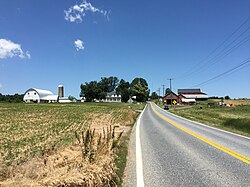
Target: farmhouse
x=191 y=94
x=113 y=97
x=37 y=95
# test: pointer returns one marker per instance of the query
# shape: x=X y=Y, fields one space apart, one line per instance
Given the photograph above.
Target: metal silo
x=60 y=91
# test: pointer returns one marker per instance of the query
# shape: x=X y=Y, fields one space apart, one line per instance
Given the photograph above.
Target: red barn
x=170 y=97
x=192 y=94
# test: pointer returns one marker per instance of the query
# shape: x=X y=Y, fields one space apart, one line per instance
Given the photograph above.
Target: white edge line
x=242 y=136
x=139 y=168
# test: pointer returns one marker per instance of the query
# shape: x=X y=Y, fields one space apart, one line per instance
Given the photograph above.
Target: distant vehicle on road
x=166 y=107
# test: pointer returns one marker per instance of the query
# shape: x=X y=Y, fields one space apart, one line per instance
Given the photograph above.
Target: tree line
x=16 y=98
x=98 y=89
x=154 y=95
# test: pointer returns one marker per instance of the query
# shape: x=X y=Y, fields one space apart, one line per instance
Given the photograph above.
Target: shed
x=130 y=101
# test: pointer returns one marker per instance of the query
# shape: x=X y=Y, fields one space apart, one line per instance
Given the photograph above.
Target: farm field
x=29 y=131
x=235 y=119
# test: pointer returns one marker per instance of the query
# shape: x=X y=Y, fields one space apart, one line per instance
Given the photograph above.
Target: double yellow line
x=216 y=145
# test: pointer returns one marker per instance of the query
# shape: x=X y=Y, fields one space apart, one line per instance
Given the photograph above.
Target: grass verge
x=238 y=124
x=235 y=119
x=121 y=159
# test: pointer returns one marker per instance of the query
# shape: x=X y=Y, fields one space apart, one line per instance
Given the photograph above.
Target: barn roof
x=170 y=95
x=195 y=96
x=190 y=91
x=44 y=94
x=40 y=91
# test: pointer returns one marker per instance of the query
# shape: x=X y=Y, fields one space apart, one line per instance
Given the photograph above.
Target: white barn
x=38 y=95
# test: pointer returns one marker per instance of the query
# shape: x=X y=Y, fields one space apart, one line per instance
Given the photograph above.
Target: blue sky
x=45 y=43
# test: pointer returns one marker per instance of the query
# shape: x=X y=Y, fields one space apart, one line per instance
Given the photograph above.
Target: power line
x=238 y=67
x=192 y=71
x=221 y=55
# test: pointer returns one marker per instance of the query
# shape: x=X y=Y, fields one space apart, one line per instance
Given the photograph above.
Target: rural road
x=166 y=150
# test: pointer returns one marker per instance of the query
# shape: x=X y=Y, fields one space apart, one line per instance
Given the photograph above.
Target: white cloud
x=9 y=49
x=28 y=54
x=77 y=12
x=79 y=45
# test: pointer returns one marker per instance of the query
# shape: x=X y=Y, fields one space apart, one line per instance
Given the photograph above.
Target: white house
x=38 y=95
x=113 y=97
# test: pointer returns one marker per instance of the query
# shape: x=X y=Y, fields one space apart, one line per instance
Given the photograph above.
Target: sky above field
x=200 y=44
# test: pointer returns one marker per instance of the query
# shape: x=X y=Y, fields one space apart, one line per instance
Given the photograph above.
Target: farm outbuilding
x=37 y=96
x=170 y=98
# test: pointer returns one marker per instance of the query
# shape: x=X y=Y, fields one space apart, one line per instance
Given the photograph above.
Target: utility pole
x=170 y=83
x=170 y=80
x=159 y=91
x=163 y=90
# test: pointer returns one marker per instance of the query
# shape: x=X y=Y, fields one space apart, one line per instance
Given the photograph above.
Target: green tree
x=167 y=91
x=139 y=88
x=227 y=97
x=98 y=90
x=90 y=90
x=71 y=98
x=108 y=84
x=16 y=98
x=154 y=95
x=123 y=88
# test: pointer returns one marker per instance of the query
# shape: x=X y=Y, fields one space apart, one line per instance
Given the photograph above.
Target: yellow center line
x=216 y=145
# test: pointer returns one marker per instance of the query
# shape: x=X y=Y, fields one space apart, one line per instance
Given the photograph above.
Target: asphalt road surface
x=166 y=150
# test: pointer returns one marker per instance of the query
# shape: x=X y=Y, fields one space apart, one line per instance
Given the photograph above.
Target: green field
x=235 y=119
x=29 y=129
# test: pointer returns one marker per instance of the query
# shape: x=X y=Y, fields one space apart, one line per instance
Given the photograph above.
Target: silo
x=60 y=91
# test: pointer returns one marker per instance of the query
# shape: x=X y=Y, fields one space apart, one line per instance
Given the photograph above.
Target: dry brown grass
x=237 y=102
x=63 y=167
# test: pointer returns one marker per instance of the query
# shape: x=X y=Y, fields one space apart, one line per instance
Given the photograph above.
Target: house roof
x=111 y=94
